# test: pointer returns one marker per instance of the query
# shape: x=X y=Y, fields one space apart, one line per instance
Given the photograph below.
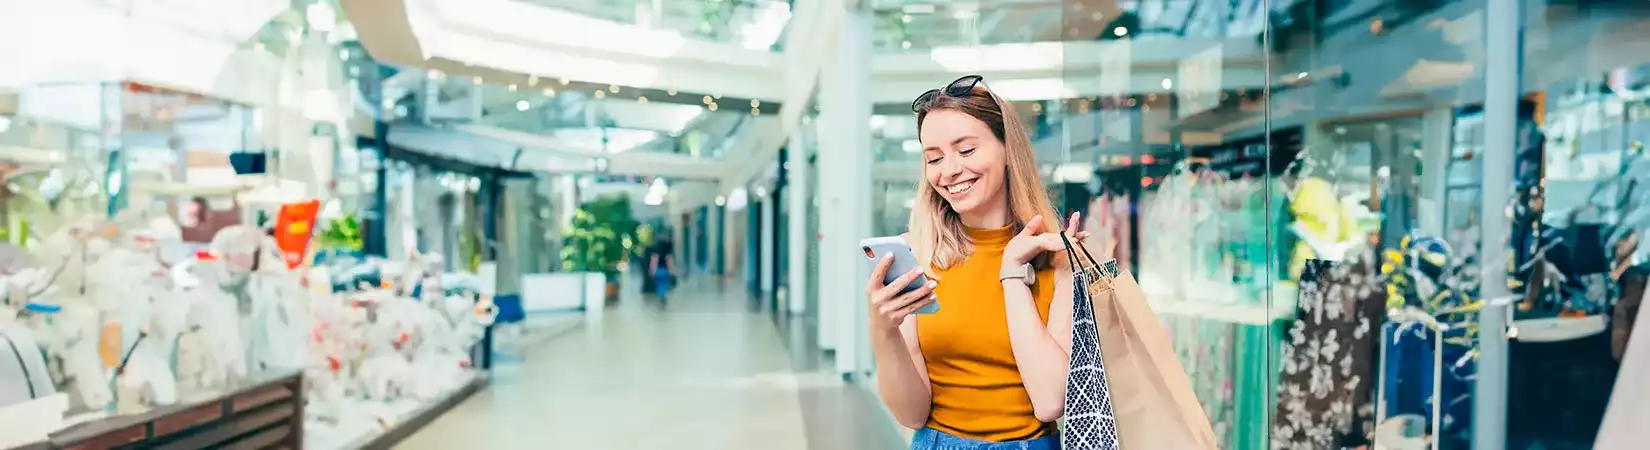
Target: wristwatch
x=1024 y=273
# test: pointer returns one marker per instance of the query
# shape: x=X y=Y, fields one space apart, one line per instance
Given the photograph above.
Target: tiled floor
x=709 y=371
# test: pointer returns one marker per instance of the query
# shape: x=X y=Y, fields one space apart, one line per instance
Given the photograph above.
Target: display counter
x=265 y=412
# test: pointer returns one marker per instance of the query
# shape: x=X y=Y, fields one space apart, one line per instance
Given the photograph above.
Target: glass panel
x=585 y=117
x=1577 y=174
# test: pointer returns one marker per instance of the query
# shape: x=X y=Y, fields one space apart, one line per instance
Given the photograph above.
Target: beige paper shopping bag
x=1151 y=394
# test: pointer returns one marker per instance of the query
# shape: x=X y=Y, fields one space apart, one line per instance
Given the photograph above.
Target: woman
x=661 y=267
x=988 y=370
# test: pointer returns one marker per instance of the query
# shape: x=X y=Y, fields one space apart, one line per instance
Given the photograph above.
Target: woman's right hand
x=889 y=307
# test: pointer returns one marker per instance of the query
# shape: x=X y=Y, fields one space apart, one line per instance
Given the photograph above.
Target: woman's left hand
x=1033 y=241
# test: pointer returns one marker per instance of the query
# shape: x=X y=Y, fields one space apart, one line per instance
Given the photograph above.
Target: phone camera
x=868 y=253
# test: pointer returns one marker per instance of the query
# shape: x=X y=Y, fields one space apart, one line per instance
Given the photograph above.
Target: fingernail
x=932 y=283
x=933 y=297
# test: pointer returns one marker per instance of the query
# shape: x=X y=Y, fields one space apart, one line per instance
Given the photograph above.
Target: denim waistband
x=931 y=439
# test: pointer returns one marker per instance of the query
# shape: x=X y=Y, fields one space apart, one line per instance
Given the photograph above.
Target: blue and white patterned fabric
x=1090 y=423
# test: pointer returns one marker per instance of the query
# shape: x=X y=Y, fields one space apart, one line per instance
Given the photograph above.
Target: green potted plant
x=600 y=239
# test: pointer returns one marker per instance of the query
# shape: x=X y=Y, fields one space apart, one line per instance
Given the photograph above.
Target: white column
x=796 y=196
x=846 y=208
x=765 y=257
x=1502 y=64
x=1436 y=139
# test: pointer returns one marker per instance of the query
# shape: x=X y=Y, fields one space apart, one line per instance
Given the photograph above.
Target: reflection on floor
x=709 y=371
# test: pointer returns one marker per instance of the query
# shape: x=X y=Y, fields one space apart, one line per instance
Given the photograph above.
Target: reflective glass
x=753 y=24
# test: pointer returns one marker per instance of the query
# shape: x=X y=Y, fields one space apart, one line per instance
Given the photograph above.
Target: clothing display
x=1323 y=222
x=1205 y=349
x=1629 y=407
x=1325 y=390
x=1415 y=375
x=1108 y=224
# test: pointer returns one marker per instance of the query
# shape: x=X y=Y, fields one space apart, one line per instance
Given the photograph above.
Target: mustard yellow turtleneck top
x=977 y=392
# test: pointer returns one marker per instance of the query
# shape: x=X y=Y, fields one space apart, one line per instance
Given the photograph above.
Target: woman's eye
x=932 y=161
x=966 y=151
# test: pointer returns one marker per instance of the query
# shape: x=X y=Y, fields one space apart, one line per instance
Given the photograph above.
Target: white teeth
x=959 y=187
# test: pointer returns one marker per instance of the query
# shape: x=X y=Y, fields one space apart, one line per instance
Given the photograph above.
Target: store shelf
x=1227 y=308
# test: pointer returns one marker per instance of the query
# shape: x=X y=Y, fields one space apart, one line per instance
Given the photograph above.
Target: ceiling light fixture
x=613 y=88
x=1168 y=84
x=672 y=92
x=756 y=103
x=512 y=88
x=712 y=106
x=476 y=80
x=707 y=100
x=549 y=92
x=641 y=99
x=1120 y=31
x=564 y=81
x=533 y=80
x=601 y=94
x=522 y=105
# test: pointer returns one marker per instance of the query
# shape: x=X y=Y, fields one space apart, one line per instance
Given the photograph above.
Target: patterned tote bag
x=1146 y=399
x=1090 y=422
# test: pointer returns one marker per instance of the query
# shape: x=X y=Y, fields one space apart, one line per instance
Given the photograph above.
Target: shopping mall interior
x=428 y=224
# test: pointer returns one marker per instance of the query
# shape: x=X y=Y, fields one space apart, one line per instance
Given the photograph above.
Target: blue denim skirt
x=931 y=439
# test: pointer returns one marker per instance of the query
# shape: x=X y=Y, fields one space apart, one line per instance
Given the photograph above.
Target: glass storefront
x=1380 y=222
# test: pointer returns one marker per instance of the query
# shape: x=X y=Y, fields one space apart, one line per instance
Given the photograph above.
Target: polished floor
x=710 y=370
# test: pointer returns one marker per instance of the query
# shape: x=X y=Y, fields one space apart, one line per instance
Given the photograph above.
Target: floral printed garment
x=1325 y=394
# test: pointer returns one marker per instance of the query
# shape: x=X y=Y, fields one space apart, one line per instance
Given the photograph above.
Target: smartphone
x=904 y=262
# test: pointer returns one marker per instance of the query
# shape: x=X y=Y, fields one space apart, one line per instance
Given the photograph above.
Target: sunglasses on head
x=962 y=87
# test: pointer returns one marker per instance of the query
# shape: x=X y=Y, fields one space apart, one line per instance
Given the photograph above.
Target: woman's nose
x=950 y=166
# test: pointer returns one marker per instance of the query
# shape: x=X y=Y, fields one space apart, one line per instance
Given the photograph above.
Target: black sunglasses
x=962 y=87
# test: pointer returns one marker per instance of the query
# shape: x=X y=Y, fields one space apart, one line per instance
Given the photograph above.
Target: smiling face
x=964 y=162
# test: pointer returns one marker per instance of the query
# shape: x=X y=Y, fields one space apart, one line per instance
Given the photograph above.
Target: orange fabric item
x=977 y=392
x=293 y=229
x=109 y=344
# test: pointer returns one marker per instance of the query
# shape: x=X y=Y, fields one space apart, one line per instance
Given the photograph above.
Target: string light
x=641 y=99
x=549 y=92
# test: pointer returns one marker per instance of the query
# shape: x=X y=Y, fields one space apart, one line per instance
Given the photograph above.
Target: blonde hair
x=935 y=231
